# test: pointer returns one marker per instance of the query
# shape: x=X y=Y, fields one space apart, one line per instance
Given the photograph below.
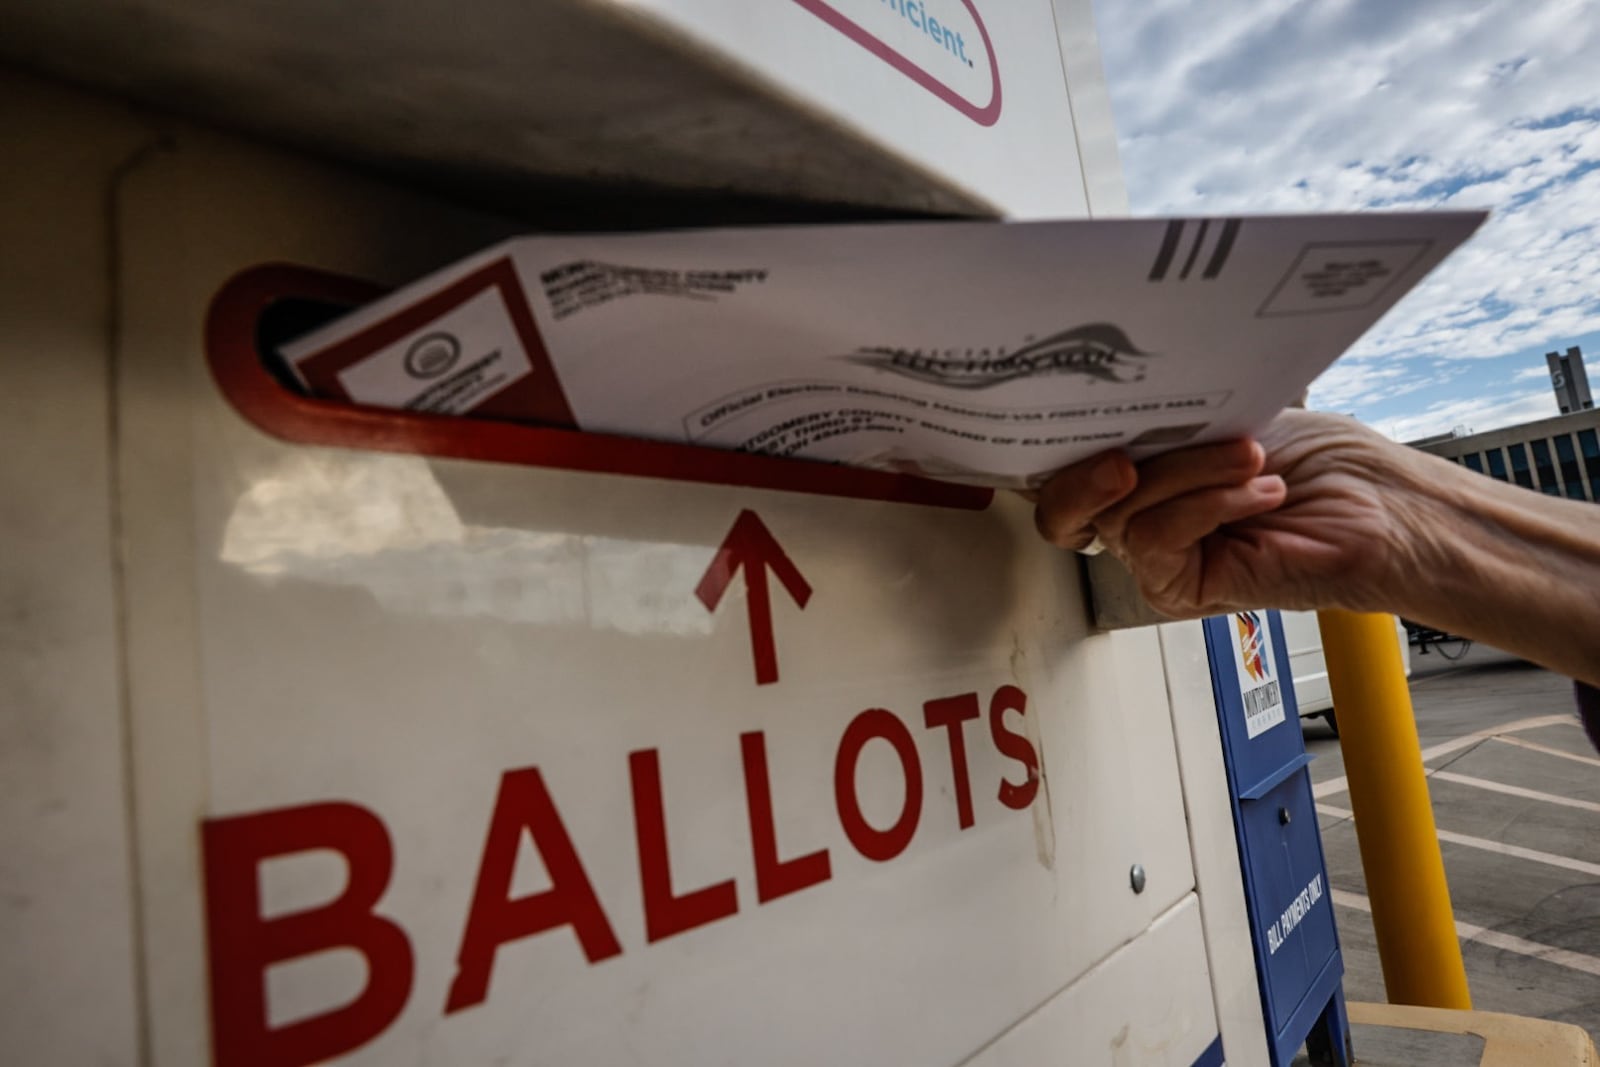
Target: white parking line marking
x=1515 y=791
x=1534 y=746
x=1484 y=844
x=1561 y=957
x=1444 y=748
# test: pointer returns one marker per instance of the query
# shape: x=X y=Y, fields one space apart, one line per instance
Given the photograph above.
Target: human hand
x=1313 y=514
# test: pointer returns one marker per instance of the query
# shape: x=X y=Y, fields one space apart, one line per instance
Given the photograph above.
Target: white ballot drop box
x=337 y=735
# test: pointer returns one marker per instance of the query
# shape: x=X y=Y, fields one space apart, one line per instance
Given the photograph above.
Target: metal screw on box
x=1136 y=878
x=1283 y=816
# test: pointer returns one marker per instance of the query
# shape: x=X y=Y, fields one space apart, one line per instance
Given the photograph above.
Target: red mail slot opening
x=266 y=306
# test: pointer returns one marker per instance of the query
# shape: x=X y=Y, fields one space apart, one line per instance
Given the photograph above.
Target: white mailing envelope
x=983 y=352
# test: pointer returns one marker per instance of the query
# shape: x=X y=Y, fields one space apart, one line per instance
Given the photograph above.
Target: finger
x=1178 y=525
x=1070 y=501
x=1175 y=474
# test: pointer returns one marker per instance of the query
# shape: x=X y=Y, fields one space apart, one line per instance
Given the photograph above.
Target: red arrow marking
x=751 y=545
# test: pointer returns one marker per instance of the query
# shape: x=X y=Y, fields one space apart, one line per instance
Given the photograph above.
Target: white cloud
x=1477 y=415
x=1351 y=384
x=1341 y=105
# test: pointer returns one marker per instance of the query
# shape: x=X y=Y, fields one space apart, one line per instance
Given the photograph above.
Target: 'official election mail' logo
x=1098 y=351
x=1252 y=645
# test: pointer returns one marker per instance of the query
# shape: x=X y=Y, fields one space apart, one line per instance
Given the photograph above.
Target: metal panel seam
x=119 y=585
x=1072 y=111
x=1177 y=906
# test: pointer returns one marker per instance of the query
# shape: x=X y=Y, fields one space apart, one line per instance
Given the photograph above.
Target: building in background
x=1570 y=380
x=1558 y=457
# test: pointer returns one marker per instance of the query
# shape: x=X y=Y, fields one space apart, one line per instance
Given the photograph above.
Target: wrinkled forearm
x=1500 y=564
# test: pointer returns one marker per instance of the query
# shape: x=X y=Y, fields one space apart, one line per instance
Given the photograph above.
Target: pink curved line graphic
x=987 y=115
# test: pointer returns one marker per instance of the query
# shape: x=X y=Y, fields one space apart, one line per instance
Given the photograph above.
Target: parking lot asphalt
x=1516 y=797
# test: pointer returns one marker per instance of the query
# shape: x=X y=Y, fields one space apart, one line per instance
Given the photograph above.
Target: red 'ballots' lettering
x=1010 y=698
x=525 y=804
x=242 y=944
x=665 y=913
x=951 y=713
x=774 y=877
x=868 y=840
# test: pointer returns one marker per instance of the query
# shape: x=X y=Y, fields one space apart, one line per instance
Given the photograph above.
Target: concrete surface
x=1520 y=828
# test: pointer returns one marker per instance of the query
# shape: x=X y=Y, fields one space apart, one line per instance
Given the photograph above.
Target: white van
x=1310 y=669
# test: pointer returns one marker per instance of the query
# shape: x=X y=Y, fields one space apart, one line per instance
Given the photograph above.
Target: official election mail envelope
x=974 y=351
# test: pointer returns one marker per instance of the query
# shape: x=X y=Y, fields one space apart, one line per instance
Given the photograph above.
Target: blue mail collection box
x=1285 y=877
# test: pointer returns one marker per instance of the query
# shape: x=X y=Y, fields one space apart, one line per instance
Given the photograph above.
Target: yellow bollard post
x=1411 y=913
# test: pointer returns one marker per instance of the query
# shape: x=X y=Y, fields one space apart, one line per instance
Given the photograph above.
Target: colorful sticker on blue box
x=1257 y=668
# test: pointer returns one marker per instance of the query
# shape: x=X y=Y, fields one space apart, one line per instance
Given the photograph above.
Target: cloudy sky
x=1232 y=106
